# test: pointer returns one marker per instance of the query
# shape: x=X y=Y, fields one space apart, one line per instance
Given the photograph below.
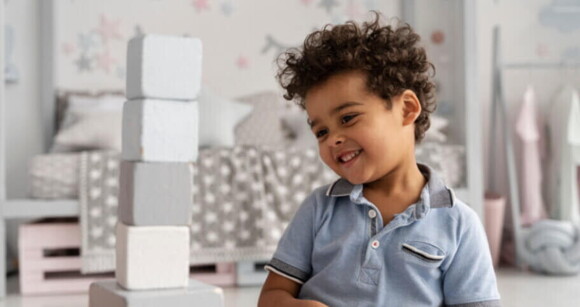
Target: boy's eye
x=320 y=133
x=345 y=119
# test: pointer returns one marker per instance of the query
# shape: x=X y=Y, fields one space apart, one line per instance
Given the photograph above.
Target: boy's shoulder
x=459 y=214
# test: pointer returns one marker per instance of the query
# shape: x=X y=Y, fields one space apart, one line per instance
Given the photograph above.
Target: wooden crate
x=50 y=262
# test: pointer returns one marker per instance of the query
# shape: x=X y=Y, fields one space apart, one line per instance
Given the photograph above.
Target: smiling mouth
x=348 y=157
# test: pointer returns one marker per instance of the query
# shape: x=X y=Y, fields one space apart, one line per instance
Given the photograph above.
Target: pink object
x=494 y=210
x=44 y=266
x=219 y=274
x=532 y=205
x=50 y=263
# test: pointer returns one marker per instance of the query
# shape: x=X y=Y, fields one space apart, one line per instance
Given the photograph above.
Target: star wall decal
x=242 y=62
x=85 y=41
x=108 y=29
x=105 y=61
x=371 y=5
x=200 y=5
x=271 y=43
x=228 y=8
x=328 y=4
x=68 y=48
x=83 y=63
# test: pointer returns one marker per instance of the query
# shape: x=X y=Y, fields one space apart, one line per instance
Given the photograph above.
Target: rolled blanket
x=552 y=247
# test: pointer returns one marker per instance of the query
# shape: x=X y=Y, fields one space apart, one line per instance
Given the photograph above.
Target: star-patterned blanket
x=243 y=199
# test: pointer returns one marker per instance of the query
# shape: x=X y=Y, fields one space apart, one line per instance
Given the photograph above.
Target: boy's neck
x=404 y=184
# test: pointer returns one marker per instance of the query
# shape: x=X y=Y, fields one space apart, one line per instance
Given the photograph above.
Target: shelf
x=28 y=208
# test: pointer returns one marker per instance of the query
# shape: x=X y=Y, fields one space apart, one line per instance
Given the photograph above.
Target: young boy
x=389 y=232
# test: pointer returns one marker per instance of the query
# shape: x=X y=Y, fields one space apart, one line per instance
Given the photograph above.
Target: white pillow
x=218 y=117
x=77 y=104
x=80 y=103
x=263 y=125
x=300 y=134
x=92 y=130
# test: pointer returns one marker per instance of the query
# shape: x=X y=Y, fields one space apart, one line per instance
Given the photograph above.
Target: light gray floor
x=517 y=289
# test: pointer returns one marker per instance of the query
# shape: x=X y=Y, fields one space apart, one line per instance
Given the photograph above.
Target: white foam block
x=152 y=257
x=165 y=67
x=109 y=294
x=160 y=130
x=155 y=193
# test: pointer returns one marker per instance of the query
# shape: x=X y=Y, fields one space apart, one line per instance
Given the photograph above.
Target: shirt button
x=372 y=214
x=375 y=244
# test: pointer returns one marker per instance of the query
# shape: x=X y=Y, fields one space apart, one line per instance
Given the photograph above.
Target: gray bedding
x=243 y=199
x=243 y=196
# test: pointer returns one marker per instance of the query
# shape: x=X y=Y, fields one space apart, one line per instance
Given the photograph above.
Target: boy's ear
x=411 y=107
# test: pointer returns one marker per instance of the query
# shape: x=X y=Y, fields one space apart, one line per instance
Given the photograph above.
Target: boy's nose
x=336 y=140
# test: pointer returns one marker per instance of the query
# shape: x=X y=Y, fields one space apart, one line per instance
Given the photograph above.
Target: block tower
x=160 y=142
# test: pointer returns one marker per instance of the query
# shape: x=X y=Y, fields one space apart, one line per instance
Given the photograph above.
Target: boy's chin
x=355 y=180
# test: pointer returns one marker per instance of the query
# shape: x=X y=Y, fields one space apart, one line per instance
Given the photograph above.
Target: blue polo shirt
x=434 y=253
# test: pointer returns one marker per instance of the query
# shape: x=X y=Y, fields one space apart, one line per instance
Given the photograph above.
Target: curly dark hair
x=390 y=56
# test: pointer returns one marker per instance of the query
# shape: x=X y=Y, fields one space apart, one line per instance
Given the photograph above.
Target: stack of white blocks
x=160 y=141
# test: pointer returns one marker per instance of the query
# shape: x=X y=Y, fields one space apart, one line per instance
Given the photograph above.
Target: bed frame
x=30 y=208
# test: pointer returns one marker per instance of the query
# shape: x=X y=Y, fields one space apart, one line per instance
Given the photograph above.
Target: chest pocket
x=422 y=253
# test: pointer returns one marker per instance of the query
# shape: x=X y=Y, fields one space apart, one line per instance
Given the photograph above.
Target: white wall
x=226 y=36
x=525 y=38
x=23 y=125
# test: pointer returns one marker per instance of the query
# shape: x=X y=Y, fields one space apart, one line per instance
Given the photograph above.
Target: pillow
x=71 y=104
x=300 y=134
x=78 y=104
x=218 y=117
x=262 y=126
x=92 y=130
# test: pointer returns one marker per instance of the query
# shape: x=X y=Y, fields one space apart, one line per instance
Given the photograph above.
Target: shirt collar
x=435 y=194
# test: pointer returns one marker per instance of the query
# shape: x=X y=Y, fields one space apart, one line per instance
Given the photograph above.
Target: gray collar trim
x=440 y=196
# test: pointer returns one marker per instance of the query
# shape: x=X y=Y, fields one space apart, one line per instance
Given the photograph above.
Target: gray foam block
x=110 y=294
x=155 y=194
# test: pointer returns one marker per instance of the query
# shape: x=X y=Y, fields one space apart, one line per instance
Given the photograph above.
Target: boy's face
x=358 y=137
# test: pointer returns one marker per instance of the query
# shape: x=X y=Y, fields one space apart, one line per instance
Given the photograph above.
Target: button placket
x=373 y=216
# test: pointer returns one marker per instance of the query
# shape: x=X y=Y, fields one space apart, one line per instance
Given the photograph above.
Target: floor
x=517 y=289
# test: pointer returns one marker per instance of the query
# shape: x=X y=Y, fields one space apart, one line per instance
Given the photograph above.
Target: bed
x=254 y=185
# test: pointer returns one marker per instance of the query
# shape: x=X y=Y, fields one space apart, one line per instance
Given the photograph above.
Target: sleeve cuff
x=284 y=269
x=490 y=303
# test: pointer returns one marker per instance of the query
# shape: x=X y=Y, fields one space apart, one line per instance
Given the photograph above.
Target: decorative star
x=200 y=5
x=83 y=63
x=85 y=41
x=105 y=61
x=228 y=8
x=242 y=62
x=328 y=4
x=542 y=50
x=352 y=10
x=68 y=49
x=371 y=5
x=108 y=29
x=271 y=43
x=338 y=19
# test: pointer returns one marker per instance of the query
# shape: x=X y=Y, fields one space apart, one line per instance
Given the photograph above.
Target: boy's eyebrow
x=343 y=106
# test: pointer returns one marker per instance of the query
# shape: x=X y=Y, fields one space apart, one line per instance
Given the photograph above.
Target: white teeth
x=349 y=156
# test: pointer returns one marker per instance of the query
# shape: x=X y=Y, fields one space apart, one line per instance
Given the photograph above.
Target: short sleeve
x=469 y=277
x=293 y=255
